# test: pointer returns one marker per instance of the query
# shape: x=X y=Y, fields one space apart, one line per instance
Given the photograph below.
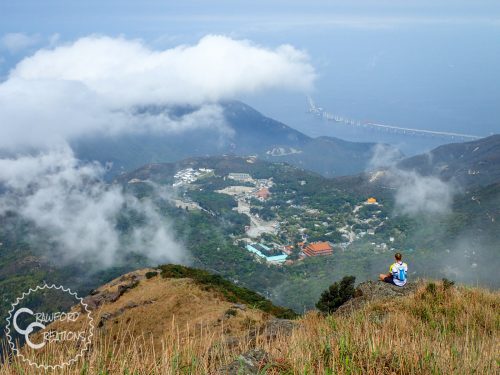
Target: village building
x=240 y=176
x=267 y=253
x=263 y=193
x=317 y=248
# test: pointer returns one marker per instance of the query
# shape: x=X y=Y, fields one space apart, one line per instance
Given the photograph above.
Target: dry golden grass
x=180 y=303
x=436 y=331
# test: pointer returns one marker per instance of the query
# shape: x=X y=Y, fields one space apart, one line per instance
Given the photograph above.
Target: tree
x=295 y=253
x=336 y=295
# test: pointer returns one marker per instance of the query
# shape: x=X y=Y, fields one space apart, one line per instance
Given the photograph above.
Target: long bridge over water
x=325 y=115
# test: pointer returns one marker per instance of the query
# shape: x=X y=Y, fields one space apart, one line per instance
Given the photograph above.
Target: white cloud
x=127 y=72
x=54 y=39
x=78 y=214
x=17 y=42
x=417 y=194
x=384 y=155
x=414 y=194
x=101 y=86
x=44 y=113
x=96 y=84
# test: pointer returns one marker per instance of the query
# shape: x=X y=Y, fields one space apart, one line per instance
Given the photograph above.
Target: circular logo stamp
x=49 y=327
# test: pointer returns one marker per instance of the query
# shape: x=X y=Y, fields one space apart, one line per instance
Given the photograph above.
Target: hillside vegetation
x=439 y=329
x=229 y=291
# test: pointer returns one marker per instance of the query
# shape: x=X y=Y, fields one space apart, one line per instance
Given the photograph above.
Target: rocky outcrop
x=109 y=316
x=249 y=363
x=113 y=293
x=275 y=327
x=370 y=291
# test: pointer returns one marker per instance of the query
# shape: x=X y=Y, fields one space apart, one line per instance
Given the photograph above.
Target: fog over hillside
x=54 y=97
x=81 y=225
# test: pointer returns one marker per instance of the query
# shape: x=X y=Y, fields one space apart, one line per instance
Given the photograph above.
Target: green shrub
x=431 y=288
x=336 y=295
x=151 y=274
x=231 y=312
x=447 y=284
x=230 y=291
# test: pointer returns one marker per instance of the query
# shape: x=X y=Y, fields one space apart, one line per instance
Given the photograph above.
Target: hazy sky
x=423 y=64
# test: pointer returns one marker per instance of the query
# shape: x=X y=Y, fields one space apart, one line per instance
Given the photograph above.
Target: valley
x=234 y=214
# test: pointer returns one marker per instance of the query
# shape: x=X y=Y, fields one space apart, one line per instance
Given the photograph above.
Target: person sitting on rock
x=398 y=272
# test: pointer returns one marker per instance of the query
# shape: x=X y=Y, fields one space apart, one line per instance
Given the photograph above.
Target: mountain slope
x=250 y=133
x=435 y=328
x=471 y=166
x=172 y=299
x=475 y=163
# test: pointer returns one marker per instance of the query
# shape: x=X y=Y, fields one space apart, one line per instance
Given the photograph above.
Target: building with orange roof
x=263 y=193
x=318 y=248
x=371 y=200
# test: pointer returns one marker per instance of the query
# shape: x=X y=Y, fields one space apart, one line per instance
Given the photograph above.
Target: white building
x=240 y=176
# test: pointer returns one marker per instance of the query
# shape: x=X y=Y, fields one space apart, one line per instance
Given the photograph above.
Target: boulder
x=275 y=327
x=99 y=297
x=239 y=306
x=370 y=291
x=249 y=363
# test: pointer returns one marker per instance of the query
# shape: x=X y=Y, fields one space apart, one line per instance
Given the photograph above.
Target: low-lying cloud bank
x=418 y=194
x=97 y=85
x=103 y=86
x=415 y=194
x=78 y=216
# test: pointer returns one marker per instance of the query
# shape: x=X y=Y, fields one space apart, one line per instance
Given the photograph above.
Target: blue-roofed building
x=263 y=251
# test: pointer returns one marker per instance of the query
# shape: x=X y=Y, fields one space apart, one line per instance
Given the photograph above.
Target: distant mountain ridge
x=253 y=134
x=475 y=163
x=469 y=165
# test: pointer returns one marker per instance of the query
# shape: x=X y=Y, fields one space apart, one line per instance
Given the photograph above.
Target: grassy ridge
x=441 y=329
x=230 y=291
